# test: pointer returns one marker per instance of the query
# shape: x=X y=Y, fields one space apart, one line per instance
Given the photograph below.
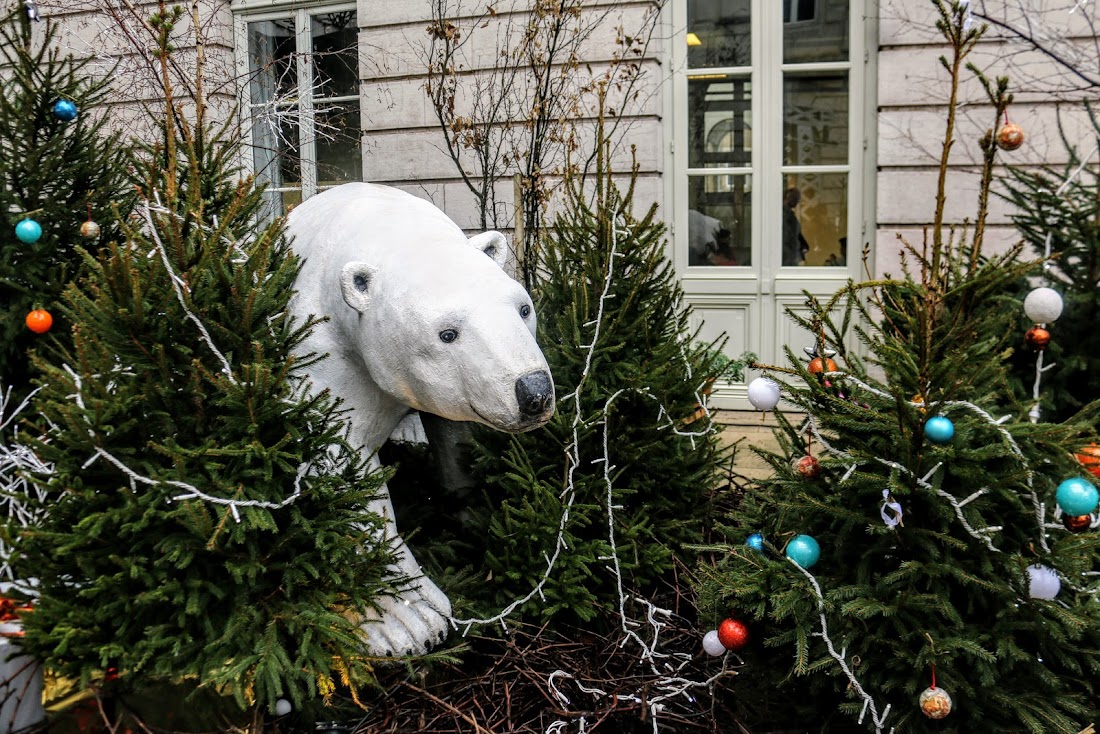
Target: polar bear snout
x=535 y=396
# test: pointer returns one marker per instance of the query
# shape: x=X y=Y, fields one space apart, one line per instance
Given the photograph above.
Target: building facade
x=788 y=142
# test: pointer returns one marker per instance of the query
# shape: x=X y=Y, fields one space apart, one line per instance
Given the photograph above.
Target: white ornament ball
x=1043 y=305
x=712 y=645
x=763 y=393
x=282 y=707
x=1043 y=583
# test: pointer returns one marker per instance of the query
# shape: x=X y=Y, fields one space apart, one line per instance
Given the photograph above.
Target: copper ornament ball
x=1076 y=523
x=935 y=703
x=1010 y=136
x=89 y=230
x=819 y=365
x=1037 y=338
x=808 y=467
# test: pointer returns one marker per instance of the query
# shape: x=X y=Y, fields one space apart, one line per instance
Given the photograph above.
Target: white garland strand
x=21 y=499
x=664 y=666
x=879 y=720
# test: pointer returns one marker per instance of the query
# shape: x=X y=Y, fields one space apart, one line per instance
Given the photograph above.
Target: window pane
x=719 y=33
x=815 y=30
x=335 y=53
x=815 y=119
x=338 y=153
x=272 y=69
x=278 y=203
x=275 y=146
x=815 y=219
x=720 y=220
x=719 y=121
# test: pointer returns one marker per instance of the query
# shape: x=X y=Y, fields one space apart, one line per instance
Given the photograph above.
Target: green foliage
x=949 y=587
x=604 y=280
x=181 y=378
x=1070 y=217
x=53 y=171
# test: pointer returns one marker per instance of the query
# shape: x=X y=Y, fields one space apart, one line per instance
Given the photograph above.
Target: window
x=798 y=11
x=768 y=190
x=302 y=99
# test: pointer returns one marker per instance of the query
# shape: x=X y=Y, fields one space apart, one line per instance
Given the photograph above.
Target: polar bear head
x=451 y=334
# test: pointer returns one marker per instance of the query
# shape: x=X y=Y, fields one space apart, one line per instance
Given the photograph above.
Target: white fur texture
x=419 y=318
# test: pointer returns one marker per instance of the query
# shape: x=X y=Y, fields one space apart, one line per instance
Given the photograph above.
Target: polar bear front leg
x=417 y=617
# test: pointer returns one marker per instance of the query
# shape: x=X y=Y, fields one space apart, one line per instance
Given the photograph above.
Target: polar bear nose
x=534 y=393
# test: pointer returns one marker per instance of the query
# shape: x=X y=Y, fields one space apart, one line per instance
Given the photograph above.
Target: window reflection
x=720 y=220
x=815 y=30
x=815 y=220
x=719 y=33
x=720 y=121
x=815 y=118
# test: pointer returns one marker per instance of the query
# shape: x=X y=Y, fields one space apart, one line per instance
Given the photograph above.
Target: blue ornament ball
x=65 y=110
x=28 y=231
x=1077 y=497
x=756 y=542
x=803 y=550
x=939 y=429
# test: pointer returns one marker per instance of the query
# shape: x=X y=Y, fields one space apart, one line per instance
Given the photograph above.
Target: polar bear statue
x=418 y=318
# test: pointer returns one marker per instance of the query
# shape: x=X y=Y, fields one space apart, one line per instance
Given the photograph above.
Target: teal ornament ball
x=803 y=550
x=65 y=110
x=1077 y=497
x=28 y=231
x=756 y=542
x=939 y=429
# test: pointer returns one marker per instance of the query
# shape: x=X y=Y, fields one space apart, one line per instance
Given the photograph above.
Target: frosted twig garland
x=17 y=463
x=982 y=534
x=572 y=452
x=178 y=285
x=879 y=720
x=668 y=684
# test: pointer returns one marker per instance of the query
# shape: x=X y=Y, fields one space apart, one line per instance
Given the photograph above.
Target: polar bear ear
x=493 y=244
x=356 y=284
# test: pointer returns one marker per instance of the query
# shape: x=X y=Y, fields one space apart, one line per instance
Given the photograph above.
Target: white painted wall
x=912 y=95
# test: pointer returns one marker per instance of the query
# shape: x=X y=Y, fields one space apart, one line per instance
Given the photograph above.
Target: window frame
x=767 y=169
x=250 y=11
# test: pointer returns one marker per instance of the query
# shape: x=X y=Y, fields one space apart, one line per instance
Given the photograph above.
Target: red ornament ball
x=1089 y=456
x=1010 y=137
x=39 y=321
x=1076 y=523
x=1037 y=338
x=808 y=467
x=733 y=634
x=819 y=365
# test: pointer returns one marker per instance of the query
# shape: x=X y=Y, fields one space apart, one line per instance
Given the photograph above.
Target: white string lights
x=666 y=667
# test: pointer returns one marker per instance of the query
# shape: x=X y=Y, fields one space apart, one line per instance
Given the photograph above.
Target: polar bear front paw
x=409 y=623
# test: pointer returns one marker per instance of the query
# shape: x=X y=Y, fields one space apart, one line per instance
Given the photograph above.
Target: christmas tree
x=615 y=487
x=204 y=520
x=1058 y=214
x=59 y=169
x=906 y=555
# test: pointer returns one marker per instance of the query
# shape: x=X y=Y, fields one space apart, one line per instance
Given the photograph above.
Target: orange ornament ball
x=733 y=634
x=1076 y=523
x=1089 y=456
x=819 y=365
x=39 y=321
x=1010 y=137
x=1037 y=338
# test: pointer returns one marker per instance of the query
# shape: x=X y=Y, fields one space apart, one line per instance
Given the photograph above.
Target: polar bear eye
x=448 y=335
x=524 y=311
